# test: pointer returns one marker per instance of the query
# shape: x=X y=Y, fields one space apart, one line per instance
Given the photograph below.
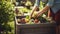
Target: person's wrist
x=39 y=13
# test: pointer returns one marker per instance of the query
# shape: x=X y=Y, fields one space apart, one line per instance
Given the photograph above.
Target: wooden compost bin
x=42 y=28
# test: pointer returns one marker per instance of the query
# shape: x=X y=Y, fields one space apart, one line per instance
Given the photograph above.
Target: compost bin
x=42 y=28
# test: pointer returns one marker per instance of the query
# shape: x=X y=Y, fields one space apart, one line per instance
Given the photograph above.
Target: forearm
x=34 y=9
x=43 y=10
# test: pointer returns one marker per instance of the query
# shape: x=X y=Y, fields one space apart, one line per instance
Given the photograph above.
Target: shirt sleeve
x=50 y=3
x=37 y=3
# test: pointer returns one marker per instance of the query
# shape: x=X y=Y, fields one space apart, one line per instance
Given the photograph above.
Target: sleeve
x=50 y=3
x=37 y=3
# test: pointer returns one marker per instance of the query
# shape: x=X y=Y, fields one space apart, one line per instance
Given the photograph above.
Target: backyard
x=8 y=12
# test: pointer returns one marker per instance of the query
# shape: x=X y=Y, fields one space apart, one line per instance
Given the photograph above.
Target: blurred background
x=8 y=10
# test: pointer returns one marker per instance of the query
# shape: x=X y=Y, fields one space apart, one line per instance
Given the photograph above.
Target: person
x=54 y=6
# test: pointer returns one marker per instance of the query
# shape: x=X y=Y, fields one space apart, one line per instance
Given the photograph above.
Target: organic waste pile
x=41 y=19
x=27 y=21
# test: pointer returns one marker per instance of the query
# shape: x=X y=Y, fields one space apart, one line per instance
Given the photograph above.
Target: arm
x=43 y=10
x=35 y=6
x=48 y=6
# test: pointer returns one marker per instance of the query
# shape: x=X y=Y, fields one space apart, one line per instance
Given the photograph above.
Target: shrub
x=6 y=14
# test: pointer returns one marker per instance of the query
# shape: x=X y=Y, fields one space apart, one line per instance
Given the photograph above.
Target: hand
x=39 y=14
x=35 y=15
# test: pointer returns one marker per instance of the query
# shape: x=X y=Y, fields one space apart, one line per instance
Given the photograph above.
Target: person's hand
x=35 y=15
x=39 y=14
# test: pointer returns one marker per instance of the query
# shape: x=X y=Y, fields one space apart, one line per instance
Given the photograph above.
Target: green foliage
x=28 y=3
x=6 y=11
x=41 y=5
x=24 y=10
x=6 y=14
